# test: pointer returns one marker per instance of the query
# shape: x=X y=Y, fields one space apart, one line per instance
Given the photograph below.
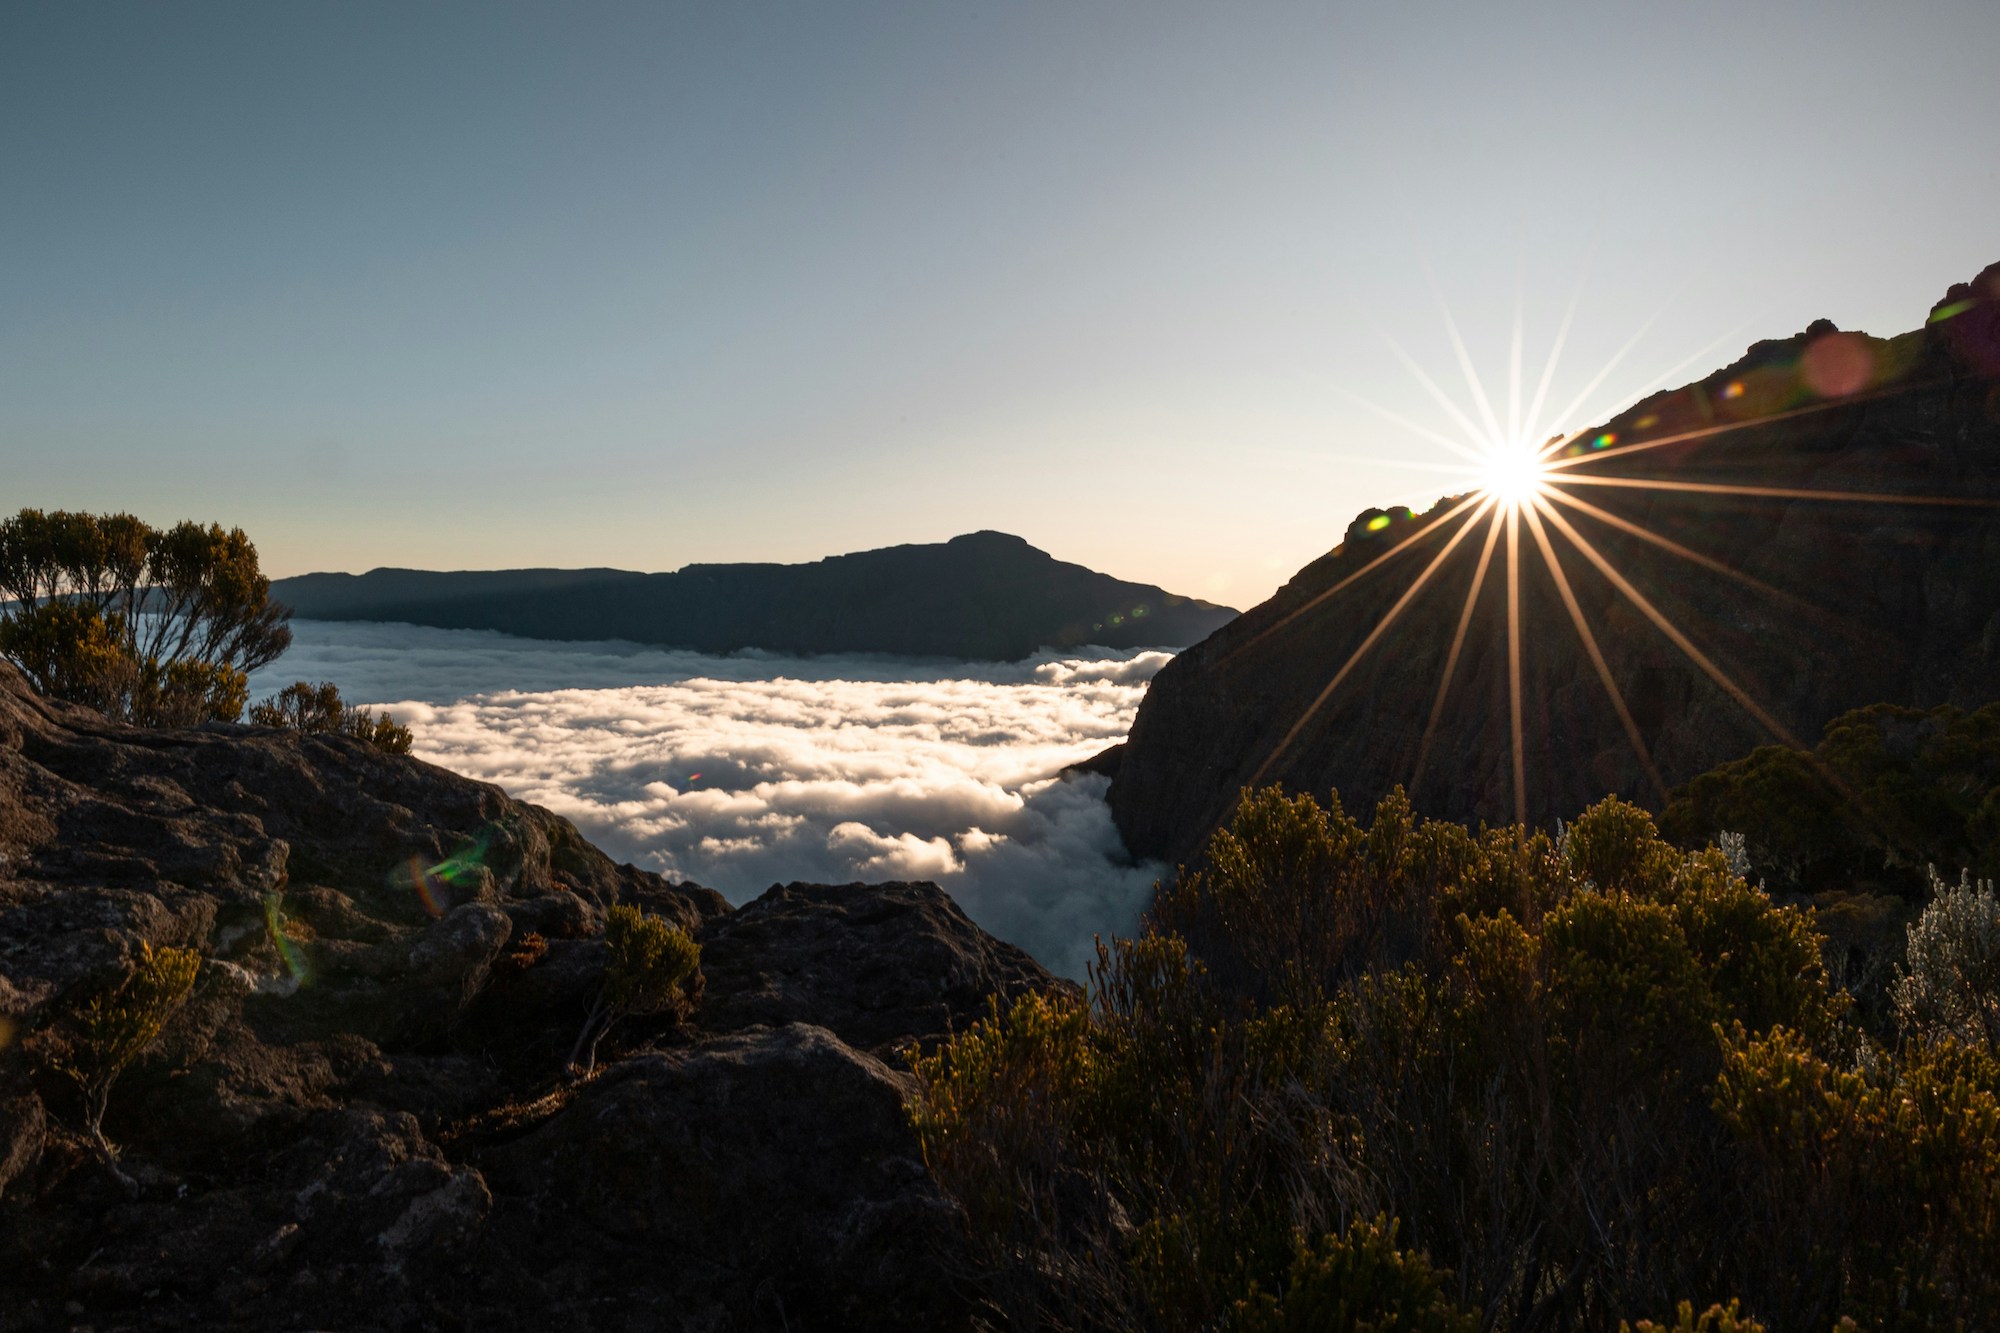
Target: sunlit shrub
x=1950 y=984
x=116 y=1027
x=319 y=710
x=654 y=968
x=1356 y=1283
x=1876 y=1190
x=1715 y=1319
x=1507 y=1048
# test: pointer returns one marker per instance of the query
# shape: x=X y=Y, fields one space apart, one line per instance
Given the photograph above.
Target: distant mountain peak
x=979 y=596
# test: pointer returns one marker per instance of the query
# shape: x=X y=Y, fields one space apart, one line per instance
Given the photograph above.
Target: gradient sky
x=637 y=285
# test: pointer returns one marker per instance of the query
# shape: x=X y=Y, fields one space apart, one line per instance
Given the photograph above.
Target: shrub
x=117 y=1027
x=157 y=627
x=1502 y=1049
x=654 y=968
x=1887 y=790
x=319 y=710
x=1715 y=1319
x=1356 y=1283
x=1950 y=985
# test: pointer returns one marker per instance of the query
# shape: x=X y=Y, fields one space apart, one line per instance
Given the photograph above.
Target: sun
x=1513 y=473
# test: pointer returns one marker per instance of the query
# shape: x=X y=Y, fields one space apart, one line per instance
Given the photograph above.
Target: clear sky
x=485 y=285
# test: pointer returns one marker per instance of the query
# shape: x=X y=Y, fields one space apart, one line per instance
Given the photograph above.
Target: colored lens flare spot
x=1377 y=523
x=1838 y=365
x=1733 y=390
x=1605 y=441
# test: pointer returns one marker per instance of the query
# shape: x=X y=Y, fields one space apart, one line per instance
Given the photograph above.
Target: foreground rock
x=1845 y=604
x=359 y=1119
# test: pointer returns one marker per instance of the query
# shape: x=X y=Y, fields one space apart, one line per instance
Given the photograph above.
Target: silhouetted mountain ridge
x=985 y=596
x=1846 y=604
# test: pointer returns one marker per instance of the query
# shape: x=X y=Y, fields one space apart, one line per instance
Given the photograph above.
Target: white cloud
x=742 y=771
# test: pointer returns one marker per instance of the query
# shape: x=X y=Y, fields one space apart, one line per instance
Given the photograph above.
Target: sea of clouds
x=743 y=771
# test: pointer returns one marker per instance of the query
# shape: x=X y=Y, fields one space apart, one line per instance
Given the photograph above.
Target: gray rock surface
x=360 y=1118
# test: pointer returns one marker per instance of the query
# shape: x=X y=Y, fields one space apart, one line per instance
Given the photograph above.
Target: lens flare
x=1512 y=473
x=1513 y=482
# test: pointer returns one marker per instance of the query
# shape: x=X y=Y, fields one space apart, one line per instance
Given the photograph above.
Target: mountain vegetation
x=985 y=596
x=319 y=709
x=159 y=627
x=1401 y=1074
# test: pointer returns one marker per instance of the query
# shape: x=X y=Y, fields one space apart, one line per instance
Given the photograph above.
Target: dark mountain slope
x=1862 y=603
x=983 y=596
x=359 y=1118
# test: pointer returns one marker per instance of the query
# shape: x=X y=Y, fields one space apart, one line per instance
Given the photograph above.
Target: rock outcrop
x=1846 y=603
x=360 y=1119
x=985 y=596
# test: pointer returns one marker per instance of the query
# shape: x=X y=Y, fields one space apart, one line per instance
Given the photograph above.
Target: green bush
x=654 y=968
x=319 y=710
x=1356 y=1283
x=117 y=1026
x=1888 y=791
x=157 y=627
x=1557 y=1071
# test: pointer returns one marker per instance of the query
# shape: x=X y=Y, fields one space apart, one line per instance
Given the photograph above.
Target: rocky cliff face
x=359 y=1118
x=1849 y=604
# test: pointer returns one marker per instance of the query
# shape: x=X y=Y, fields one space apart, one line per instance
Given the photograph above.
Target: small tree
x=117 y=1027
x=654 y=968
x=319 y=709
x=157 y=627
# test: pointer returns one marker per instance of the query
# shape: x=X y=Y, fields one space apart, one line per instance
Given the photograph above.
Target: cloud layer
x=742 y=771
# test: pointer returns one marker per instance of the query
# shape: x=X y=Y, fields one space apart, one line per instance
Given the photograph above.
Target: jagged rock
x=1860 y=603
x=769 y=1171
x=359 y=1118
x=879 y=964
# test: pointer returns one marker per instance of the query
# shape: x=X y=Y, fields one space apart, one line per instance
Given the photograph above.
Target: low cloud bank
x=742 y=771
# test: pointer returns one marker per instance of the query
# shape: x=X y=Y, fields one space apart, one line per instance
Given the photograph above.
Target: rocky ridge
x=983 y=596
x=1858 y=603
x=360 y=1120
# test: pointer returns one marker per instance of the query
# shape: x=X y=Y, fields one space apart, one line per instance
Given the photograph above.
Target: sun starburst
x=1520 y=475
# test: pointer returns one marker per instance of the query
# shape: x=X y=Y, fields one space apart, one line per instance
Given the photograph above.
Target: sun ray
x=1708 y=562
x=1720 y=428
x=1465 y=470
x=1374 y=636
x=1457 y=645
x=1425 y=432
x=1472 y=381
x=1438 y=395
x=1514 y=431
x=1560 y=422
x=1514 y=664
x=1779 y=492
x=1532 y=427
x=1672 y=631
x=1652 y=386
x=1531 y=511
x=1408 y=543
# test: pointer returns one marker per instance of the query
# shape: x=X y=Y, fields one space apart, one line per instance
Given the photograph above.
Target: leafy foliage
x=1357 y=1283
x=1950 y=987
x=654 y=968
x=319 y=710
x=117 y=1027
x=1888 y=791
x=1408 y=1075
x=158 y=627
